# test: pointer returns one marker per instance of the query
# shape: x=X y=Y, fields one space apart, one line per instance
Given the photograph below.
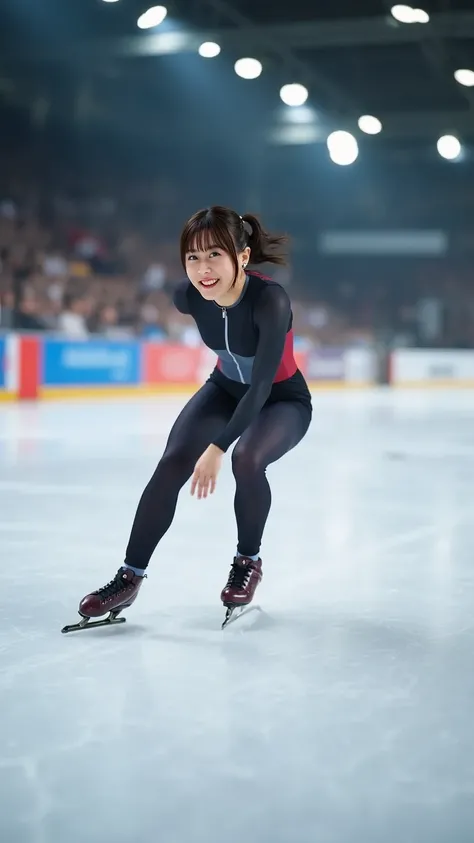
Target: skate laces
x=239 y=575
x=114 y=586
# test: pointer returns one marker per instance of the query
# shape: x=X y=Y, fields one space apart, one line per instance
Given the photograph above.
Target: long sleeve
x=271 y=316
x=180 y=297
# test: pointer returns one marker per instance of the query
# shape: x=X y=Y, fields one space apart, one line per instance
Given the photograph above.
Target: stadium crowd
x=90 y=264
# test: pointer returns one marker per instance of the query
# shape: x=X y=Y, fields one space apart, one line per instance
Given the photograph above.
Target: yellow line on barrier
x=7 y=396
x=320 y=386
x=70 y=393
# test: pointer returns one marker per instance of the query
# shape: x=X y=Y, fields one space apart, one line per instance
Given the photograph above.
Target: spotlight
x=294 y=94
x=343 y=148
x=248 y=68
x=209 y=50
x=370 y=125
x=152 y=17
x=449 y=147
x=464 y=77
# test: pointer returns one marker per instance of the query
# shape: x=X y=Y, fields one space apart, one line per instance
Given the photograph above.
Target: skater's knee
x=175 y=464
x=246 y=461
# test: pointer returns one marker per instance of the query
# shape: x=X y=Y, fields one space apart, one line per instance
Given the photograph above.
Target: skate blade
x=235 y=612
x=86 y=623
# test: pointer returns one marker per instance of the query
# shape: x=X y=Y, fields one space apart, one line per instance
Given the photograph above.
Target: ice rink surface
x=340 y=713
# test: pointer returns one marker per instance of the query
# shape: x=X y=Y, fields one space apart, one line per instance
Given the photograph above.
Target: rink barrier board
x=3 y=363
x=9 y=367
x=29 y=368
x=34 y=366
x=90 y=363
x=419 y=368
x=52 y=368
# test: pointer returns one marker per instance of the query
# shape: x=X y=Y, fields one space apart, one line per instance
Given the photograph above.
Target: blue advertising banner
x=91 y=363
x=3 y=362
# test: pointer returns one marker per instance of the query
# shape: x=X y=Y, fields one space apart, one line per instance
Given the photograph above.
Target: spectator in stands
x=54 y=265
x=73 y=320
x=108 y=324
x=154 y=277
x=6 y=310
x=27 y=317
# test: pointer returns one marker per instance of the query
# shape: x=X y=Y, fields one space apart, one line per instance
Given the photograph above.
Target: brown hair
x=223 y=227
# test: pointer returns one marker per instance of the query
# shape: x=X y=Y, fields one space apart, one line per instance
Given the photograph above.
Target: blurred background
x=348 y=125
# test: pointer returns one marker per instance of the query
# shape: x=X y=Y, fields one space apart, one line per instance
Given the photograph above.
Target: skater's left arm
x=271 y=316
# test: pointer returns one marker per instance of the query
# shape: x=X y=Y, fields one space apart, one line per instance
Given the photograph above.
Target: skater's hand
x=205 y=472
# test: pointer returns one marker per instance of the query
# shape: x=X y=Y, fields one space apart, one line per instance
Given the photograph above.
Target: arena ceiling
x=353 y=56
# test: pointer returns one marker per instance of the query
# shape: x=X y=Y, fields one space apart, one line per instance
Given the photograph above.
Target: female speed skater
x=256 y=395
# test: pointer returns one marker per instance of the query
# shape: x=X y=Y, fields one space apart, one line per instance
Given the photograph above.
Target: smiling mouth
x=209 y=283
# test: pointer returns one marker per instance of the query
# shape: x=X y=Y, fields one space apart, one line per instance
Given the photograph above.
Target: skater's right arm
x=180 y=297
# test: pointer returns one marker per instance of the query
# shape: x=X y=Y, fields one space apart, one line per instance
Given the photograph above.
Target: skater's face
x=212 y=270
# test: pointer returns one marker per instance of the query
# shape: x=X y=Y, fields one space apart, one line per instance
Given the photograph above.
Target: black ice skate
x=112 y=598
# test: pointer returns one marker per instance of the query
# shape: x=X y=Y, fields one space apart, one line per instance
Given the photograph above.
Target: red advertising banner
x=171 y=364
x=301 y=358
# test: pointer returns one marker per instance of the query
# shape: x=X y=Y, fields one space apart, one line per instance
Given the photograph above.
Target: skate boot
x=113 y=598
x=245 y=575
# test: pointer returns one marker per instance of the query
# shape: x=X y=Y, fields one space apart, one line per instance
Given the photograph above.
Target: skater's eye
x=192 y=256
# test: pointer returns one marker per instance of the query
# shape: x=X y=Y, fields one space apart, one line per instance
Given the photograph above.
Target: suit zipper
x=226 y=336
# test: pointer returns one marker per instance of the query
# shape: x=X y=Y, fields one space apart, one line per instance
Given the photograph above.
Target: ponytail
x=264 y=247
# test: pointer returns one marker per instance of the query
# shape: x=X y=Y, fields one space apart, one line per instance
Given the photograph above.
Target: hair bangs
x=202 y=238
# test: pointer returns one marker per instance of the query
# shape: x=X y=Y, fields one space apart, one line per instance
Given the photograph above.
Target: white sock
x=140 y=572
x=253 y=558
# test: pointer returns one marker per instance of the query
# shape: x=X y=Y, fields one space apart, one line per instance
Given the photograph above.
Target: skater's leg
x=200 y=421
x=277 y=429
